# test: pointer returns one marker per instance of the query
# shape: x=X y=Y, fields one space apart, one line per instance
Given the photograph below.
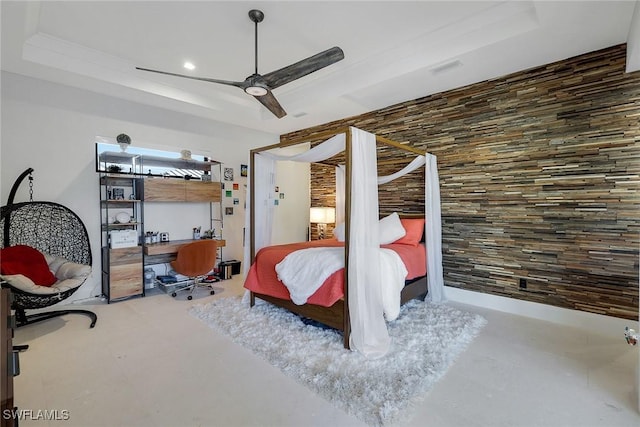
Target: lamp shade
x=322 y=215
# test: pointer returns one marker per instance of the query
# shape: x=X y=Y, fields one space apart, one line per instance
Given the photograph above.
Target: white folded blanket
x=305 y=270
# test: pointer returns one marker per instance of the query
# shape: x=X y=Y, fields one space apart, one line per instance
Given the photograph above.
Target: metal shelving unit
x=129 y=170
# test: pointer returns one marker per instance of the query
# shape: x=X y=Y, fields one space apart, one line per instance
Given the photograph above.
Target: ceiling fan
x=260 y=86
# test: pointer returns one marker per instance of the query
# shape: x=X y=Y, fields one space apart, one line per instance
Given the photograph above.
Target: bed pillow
x=338 y=232
x=414 y=228
x=29 y=262
x=391 y=229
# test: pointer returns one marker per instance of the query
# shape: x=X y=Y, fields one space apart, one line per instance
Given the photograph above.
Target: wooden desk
x=158 y=253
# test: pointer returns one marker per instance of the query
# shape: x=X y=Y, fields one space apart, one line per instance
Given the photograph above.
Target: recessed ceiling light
x=189 y=66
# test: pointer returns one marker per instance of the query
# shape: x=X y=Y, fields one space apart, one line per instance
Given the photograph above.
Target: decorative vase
x=123 y=141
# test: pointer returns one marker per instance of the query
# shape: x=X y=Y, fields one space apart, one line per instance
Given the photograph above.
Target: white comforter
x=305 y=270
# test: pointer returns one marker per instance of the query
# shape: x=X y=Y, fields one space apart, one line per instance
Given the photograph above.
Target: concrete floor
x=149 y=363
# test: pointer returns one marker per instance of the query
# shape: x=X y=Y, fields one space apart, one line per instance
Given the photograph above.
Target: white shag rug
x=426 y=339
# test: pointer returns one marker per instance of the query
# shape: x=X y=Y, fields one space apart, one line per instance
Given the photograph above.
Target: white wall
x=291 y=216
x=52 y=128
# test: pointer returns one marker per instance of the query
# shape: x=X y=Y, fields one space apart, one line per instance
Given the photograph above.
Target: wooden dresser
x=8 y=362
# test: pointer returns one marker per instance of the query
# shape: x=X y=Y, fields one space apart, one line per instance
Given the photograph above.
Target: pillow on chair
x=29 y=262
x=69 y=275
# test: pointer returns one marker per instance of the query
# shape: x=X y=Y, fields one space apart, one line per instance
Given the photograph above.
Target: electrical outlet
x=523 y=283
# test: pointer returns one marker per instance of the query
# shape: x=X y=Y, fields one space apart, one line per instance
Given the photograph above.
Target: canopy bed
x=358 y=307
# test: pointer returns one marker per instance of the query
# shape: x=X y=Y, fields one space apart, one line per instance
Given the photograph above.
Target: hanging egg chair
x=59 y=235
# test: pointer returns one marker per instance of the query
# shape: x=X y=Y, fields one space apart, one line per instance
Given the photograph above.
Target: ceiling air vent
x=446 y=66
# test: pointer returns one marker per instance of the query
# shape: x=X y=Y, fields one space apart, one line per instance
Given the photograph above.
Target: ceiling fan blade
x=272 y=104
x=204 y=79
x=293 y=72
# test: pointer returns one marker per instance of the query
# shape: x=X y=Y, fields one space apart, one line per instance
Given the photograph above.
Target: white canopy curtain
x=433 y=217
x=264 y=178
x=368 y=328
x=369 y=333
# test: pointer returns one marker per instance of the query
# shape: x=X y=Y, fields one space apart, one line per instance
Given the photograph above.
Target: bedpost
x=252 y=207
x=347 y=226
x=252 y=214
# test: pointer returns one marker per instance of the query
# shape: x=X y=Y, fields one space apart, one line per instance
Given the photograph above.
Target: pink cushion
x=414 y=228
x=29 y=262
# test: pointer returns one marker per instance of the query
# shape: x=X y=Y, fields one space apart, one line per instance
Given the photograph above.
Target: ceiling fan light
x=256 y=90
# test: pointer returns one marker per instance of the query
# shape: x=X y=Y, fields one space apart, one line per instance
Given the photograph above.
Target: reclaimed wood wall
x=539 y=177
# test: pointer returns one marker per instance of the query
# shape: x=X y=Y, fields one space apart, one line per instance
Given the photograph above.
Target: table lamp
x=322 y=216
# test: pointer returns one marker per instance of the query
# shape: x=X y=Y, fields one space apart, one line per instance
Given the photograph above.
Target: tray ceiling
x=394 y=51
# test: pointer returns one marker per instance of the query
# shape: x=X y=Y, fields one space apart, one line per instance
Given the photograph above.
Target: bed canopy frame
x=339 y=315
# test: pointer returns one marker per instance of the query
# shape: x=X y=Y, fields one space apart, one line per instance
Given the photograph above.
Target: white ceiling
x=394 y=51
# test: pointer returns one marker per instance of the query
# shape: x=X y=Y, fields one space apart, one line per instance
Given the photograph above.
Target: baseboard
x=597 y=323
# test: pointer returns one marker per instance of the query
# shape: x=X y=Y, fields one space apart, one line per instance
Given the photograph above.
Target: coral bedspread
x=263 y=279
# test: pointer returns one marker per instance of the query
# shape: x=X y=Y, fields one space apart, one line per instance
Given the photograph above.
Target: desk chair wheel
x=189 y=297
x=174 y=294
x=212 y=292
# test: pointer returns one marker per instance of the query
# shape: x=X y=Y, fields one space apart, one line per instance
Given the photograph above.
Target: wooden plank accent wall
x=539 y=177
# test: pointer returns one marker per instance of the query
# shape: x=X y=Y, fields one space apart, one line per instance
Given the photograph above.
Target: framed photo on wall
x=228 y=174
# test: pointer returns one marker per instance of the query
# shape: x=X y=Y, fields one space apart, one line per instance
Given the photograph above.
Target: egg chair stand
x=60 y=234
x=22 y=319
